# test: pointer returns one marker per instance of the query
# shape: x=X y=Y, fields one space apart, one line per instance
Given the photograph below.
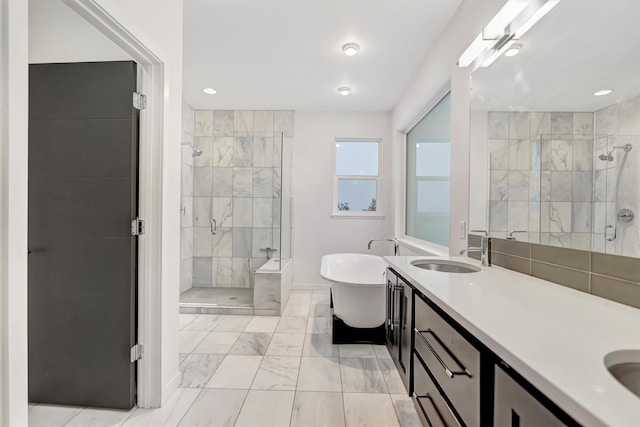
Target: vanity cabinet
x=453 y=378
x=399 y=324
x=514 y=406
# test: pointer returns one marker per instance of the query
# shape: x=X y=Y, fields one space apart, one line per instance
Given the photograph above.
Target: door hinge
x=139 y=101
x=136 y=352
x=137 y=227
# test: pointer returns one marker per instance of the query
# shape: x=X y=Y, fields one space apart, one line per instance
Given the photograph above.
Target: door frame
x=151 y=145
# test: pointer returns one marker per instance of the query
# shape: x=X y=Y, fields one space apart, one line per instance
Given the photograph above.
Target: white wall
x=437 y=71
x=58 y=34
x=13 y=211
x=315 y=232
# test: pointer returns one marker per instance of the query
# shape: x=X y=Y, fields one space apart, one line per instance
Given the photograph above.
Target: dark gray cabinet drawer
x=451 y=359
x=432 y=409
x=515 y=407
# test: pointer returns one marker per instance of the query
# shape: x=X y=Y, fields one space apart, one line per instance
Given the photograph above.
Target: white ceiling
x=580 y=47
x=285 y=54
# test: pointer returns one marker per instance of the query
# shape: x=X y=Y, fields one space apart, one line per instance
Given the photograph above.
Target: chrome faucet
x=396 y=245
x=483 y=249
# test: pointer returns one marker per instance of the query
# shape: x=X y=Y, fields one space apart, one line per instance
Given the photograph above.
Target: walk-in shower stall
x=236 y=203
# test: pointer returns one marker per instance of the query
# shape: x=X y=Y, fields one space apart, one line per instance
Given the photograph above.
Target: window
x=356 y=177
x=428 y=173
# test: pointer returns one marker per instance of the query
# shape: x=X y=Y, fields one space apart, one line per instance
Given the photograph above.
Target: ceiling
x=284 y=54
x=580 y=47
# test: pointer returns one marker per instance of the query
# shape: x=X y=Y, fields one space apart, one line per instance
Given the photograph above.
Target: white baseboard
x=171 y=387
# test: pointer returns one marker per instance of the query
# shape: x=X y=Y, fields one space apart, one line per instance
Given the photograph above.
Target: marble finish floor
x=246 y=371
x=240 y=297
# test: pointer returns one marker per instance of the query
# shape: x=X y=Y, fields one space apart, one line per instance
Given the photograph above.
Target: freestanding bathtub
x=357 y=287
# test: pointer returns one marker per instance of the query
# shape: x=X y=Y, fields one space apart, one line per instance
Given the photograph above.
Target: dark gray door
x=83 y=195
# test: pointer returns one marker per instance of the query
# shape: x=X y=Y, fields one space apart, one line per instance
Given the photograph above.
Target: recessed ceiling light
x=350 y=49
x=209 y=91
x=602 y=92
x=344 y=91
x=513 y=50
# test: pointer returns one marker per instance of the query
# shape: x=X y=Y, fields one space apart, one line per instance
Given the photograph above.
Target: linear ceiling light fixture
x=510 y=23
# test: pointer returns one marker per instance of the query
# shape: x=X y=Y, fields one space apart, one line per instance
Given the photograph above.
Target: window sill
x=418 y=245
x=356 y=216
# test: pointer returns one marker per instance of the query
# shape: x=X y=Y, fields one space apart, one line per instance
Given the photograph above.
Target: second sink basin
x=445 y=266
x=624 y=365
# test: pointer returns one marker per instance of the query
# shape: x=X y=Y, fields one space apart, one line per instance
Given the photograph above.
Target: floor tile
x=251 y=343
x=182 y=356
x=371 y=410
x=43 y=415
x=90 y=417
x=317 y=409
x=203 y=322
x=185 y=319
x=405 y=411
x=361 y=375
x=215 y=408
x=391 y=376
x=382 y=352
x=319 y=345
x=318 y=325
x=266 y=408
x=319 y=374
x=292 y=324
x=356 y=350
x=169 y=415
x=188 y=340
x=319 y=310
x=235 y=371
x=217 y=342
x=298 y=305
x=197 y=369
x=233 y=323
x=262 y=324
x=286 y=345
x=277 y=373
x=320 y=298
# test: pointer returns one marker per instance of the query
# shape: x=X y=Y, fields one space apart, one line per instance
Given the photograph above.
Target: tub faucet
x=396 y=245
x=483 y=249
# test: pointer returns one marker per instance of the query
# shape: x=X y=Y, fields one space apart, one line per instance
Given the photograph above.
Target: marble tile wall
x=617 y=182
x=237 y=182
x=541 y=176
x=186 y=208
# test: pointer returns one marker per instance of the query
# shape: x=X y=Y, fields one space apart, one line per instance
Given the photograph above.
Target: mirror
x=552 y=162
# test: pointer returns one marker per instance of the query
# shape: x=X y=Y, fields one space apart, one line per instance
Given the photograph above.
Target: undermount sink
x=624 y=365
x=445 y=266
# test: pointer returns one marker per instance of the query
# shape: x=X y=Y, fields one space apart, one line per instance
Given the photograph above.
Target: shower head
x=196 y=151
x=608 y=157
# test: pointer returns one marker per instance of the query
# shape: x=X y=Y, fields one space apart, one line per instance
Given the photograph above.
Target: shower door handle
x=214 y=227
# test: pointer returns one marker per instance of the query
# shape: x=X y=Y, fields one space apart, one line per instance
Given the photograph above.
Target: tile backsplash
x=608 y=276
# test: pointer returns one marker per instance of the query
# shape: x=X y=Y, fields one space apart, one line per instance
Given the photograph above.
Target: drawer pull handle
x=435 y=408
x=449 y=372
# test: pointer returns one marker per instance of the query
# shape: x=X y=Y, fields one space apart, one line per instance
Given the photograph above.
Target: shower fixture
x=196 y=151
x=608 y=157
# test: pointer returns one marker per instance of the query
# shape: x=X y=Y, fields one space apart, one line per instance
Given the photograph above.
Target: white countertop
x=554 y=336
